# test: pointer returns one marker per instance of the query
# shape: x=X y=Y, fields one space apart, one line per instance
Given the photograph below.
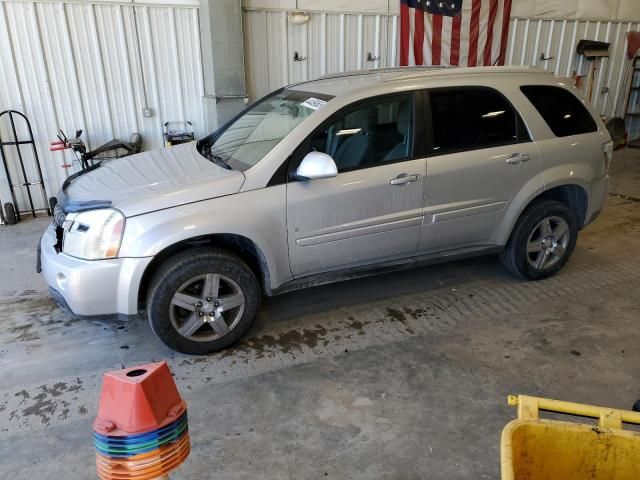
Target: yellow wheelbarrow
x=537 y=449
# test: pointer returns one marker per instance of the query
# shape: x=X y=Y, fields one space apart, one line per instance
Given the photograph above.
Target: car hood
x=154 y=180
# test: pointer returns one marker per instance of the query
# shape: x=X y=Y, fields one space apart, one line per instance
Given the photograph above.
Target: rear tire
x=10 y=214
x=202 y=300
x=542 y=240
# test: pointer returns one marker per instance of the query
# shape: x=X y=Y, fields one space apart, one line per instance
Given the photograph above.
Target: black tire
x=178 y=271
x=10 y=214
x=516 y=257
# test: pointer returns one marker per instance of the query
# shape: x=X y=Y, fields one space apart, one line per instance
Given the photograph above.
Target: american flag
x=454 y=32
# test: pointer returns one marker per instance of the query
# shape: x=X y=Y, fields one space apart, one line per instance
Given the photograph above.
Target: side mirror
x=316 y=165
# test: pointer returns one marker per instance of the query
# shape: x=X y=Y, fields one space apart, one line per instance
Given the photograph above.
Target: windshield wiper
x=217 y=159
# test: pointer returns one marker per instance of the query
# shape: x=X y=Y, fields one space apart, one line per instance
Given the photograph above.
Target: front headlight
x=93 y=235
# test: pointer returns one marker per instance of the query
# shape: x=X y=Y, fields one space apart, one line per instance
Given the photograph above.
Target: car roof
x=359 y=80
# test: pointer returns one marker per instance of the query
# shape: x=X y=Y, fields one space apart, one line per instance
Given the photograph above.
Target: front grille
x=58 y=220
x=58 y=216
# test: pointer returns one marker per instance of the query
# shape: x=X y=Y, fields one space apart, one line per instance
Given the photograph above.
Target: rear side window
x=473 y=118
x=562 y=111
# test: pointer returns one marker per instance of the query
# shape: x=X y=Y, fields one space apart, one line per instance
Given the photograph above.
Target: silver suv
x=323 y=181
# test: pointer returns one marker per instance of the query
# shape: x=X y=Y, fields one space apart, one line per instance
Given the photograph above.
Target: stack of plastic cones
x=141 y=431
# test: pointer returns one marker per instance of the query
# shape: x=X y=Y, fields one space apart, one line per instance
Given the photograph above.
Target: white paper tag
x=313 y=103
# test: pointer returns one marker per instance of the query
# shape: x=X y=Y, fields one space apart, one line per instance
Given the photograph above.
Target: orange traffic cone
x=141 y=431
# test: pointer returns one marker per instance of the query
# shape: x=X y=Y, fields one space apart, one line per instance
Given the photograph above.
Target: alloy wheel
x=207 y=307
x=547 y=243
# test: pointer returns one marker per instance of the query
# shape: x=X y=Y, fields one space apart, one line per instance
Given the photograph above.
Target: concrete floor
x=402 y=376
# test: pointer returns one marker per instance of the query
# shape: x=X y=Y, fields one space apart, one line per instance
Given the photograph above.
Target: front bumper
x=99 y=287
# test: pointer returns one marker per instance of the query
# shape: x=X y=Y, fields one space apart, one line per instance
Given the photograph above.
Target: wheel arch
x=574 y=195
x=239 y=245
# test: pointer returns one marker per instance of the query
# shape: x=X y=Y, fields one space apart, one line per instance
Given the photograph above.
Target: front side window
x=561 y=109
x=252 y=135
x=371 y=133
x=473 y=118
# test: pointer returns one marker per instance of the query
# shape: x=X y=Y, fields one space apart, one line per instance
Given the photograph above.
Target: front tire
x=202 y=300
x=542 y=241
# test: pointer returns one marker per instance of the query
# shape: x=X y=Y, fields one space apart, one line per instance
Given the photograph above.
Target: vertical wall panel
x=31 y=71
x=76 y=66
x=113 y=47
x=85 y=45
x=10 y=94
x=191 y=78
x=257 y=73
x=331 y=42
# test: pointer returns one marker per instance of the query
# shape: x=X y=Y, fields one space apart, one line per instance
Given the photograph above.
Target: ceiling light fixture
x=298 y=18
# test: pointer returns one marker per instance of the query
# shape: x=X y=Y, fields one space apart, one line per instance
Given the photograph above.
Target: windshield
x=246 y=140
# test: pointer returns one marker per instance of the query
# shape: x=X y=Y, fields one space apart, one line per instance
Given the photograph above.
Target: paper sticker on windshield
x=313 y=103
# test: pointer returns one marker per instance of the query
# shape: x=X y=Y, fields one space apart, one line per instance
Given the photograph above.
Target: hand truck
x=12 y=211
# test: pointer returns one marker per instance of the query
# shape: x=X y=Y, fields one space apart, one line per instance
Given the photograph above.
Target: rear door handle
x=405 y=179
x=518 y=158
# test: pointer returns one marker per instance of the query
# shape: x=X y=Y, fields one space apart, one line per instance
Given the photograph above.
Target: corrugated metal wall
x=76 y=66
x=334 y=42
x=329 y=42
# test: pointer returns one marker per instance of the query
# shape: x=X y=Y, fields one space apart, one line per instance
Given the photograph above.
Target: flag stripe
x=418 y=39
x=506 y=14
x=428 y=40
x=464 y=39
x=493 y=11
x=455 y=41
x=436 y=44
x=482 y=37
x=445 y=42
x=404 y=34
x=497 y=35
x=474 y=34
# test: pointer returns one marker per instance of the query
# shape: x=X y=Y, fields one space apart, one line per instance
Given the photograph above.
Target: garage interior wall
x=337 y=38
x=557 y=9
x=77 y=66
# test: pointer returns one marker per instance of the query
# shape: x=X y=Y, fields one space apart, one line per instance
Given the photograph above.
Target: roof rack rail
x=471 y=71
x=355 y=73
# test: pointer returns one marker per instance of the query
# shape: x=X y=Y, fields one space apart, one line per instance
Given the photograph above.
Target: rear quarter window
x=562 y=110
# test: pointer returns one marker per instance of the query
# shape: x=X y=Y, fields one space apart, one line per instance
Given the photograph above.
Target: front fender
x=258 y=215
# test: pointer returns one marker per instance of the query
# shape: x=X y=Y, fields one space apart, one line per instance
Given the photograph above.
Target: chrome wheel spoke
x=560 y=231
x=219 y=325
x=191 y=325
x=559 y=250
x=542 y=259
x=545 y=227
x=227 y=302
x=211 y=285
x=534 y=247
x=182 y=300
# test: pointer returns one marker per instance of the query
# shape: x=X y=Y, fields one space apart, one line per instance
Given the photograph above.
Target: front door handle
x=405 y=179
x=517 y=158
